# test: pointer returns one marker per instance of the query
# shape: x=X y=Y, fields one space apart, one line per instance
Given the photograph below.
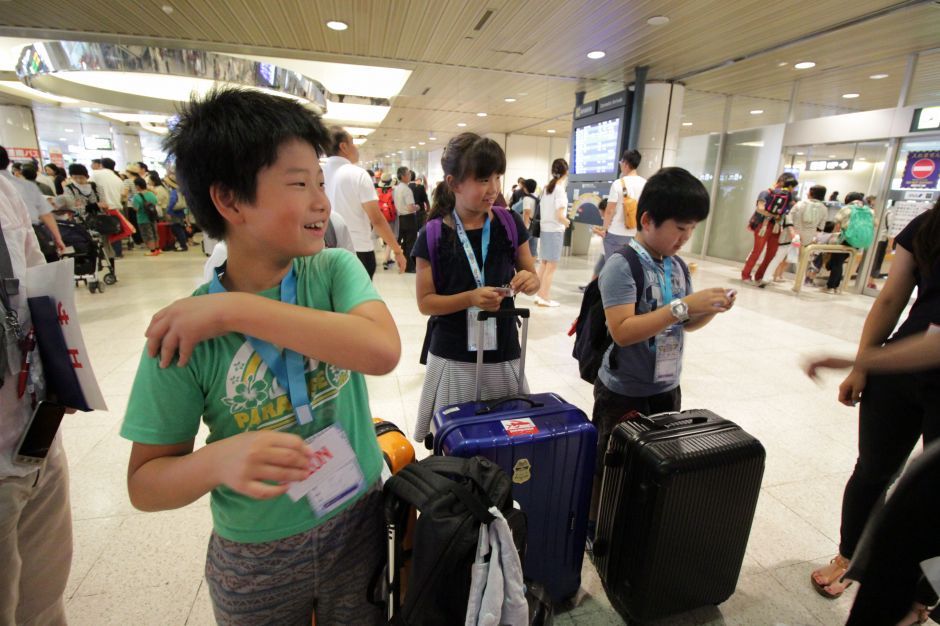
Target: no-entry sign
x=922 y=170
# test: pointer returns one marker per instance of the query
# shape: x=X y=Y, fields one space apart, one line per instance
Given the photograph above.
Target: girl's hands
x=486 y=298
x=525 y=282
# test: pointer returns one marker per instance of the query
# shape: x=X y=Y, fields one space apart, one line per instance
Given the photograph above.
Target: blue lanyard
x=665 y=279
x=478 y=273
x=286 y=365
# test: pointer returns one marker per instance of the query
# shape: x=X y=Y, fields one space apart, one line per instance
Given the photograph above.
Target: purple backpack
x=432 y=233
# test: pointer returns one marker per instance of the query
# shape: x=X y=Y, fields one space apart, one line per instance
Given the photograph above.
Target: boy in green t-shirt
x=145 y=202
x=269 y=355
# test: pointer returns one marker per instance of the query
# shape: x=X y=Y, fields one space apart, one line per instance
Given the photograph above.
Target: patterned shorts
x=326 y=570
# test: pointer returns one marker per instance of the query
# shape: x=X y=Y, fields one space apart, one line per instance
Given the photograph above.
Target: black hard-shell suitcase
x=677 y=501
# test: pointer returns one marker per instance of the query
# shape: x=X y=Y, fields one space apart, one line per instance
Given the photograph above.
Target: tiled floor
x=146 y=568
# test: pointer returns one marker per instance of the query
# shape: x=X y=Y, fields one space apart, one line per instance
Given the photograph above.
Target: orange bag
x=629 y=207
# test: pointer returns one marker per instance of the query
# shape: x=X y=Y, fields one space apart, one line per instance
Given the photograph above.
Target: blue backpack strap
x=509 y=224
x=685 y=272
x=432 y=235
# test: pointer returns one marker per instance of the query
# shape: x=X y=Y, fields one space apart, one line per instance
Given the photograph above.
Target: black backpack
x=150 y=209
x=453 y=496
x=535 y=223
x=590 y=328
x=778 y=202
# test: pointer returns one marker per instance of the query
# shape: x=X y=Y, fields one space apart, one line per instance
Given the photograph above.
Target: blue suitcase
x=548 y=447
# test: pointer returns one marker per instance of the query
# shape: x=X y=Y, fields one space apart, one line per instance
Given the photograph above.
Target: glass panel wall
x=750 y=163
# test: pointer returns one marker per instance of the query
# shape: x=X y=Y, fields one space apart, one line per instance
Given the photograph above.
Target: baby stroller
x=88 y=252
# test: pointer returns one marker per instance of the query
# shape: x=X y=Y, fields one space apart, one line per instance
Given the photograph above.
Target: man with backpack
x=855 y=225
x=620 y=216
x=766 y=222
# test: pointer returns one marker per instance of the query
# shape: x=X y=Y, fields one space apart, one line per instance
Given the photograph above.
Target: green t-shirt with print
x=228 y=385
x=138 y=200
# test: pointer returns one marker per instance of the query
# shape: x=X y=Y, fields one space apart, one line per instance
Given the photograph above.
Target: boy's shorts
x=148 y=232
x=327 y=569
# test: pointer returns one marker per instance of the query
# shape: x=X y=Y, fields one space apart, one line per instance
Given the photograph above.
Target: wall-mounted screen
x=595 y=146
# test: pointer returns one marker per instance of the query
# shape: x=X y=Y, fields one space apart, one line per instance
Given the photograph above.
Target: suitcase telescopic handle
x=482 y=316
x=492 y=406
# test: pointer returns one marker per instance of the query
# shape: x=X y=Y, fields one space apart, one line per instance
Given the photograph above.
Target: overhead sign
x=583 y=110
x=614 y=101
x=832 y=165
x=17 y=154
x=927 y=118
x=922 y=170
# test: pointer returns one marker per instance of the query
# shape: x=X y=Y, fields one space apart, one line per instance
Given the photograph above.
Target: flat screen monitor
x=596 y=145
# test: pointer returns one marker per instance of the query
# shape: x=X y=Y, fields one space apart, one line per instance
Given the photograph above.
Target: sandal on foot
x=919 y=614
x=839 y=566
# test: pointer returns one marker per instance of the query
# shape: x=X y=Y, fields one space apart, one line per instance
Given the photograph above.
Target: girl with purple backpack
x=471 y=256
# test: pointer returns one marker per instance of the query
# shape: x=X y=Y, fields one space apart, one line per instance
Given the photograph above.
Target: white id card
x=335 y=474
x=668 y=356
x=489 y=331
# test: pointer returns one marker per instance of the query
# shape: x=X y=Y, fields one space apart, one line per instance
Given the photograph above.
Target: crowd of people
x=286 y=295
x=142 y=198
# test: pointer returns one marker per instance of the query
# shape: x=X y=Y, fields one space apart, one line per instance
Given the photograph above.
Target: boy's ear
x=226 y=203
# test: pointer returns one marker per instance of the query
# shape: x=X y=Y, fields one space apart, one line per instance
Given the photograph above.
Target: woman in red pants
x=772 y=205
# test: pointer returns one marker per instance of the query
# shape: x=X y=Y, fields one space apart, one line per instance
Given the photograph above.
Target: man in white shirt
x=615 y=232
x=40 y=211
x=35 y=518
x=109 y=184
x=407 y=216
x=352 y=195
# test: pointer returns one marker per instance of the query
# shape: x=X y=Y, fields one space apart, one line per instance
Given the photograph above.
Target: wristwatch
x=680 y=310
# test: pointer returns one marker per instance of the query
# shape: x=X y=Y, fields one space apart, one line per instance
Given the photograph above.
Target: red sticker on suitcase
x=523 y=426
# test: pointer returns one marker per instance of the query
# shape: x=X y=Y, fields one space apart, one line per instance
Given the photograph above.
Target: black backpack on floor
x=453 y=496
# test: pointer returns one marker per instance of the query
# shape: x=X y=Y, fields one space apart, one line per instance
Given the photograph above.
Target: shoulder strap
x=509 y=224
x=685 y=271
x=329 y=238
x=432 y=235
x=636 y=268
x=623 y=185
x=9 y=285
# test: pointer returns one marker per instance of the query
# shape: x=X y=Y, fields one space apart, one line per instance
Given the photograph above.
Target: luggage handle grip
x=491 y=406
x=664 y=422
x=482 y=316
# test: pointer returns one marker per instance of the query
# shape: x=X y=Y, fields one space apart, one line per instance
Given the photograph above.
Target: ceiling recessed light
x=337 y=25
x=862 y=159
x=432 y=138
x=658 y=20
x=596 y=54
x=414 y=147
x=782 y=64
x=831 y=156
x=509 y=99
x=401 y=152
x=167 y=9
x=481 y=114
x=461 y=124
x=757 y=111
x=420 y=143
x=686 y=123
x=805 y=65
x=878 y=76
x=849 y=96
x=551 y=130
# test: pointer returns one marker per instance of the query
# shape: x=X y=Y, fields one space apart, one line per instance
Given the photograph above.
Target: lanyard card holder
x=482 y=317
